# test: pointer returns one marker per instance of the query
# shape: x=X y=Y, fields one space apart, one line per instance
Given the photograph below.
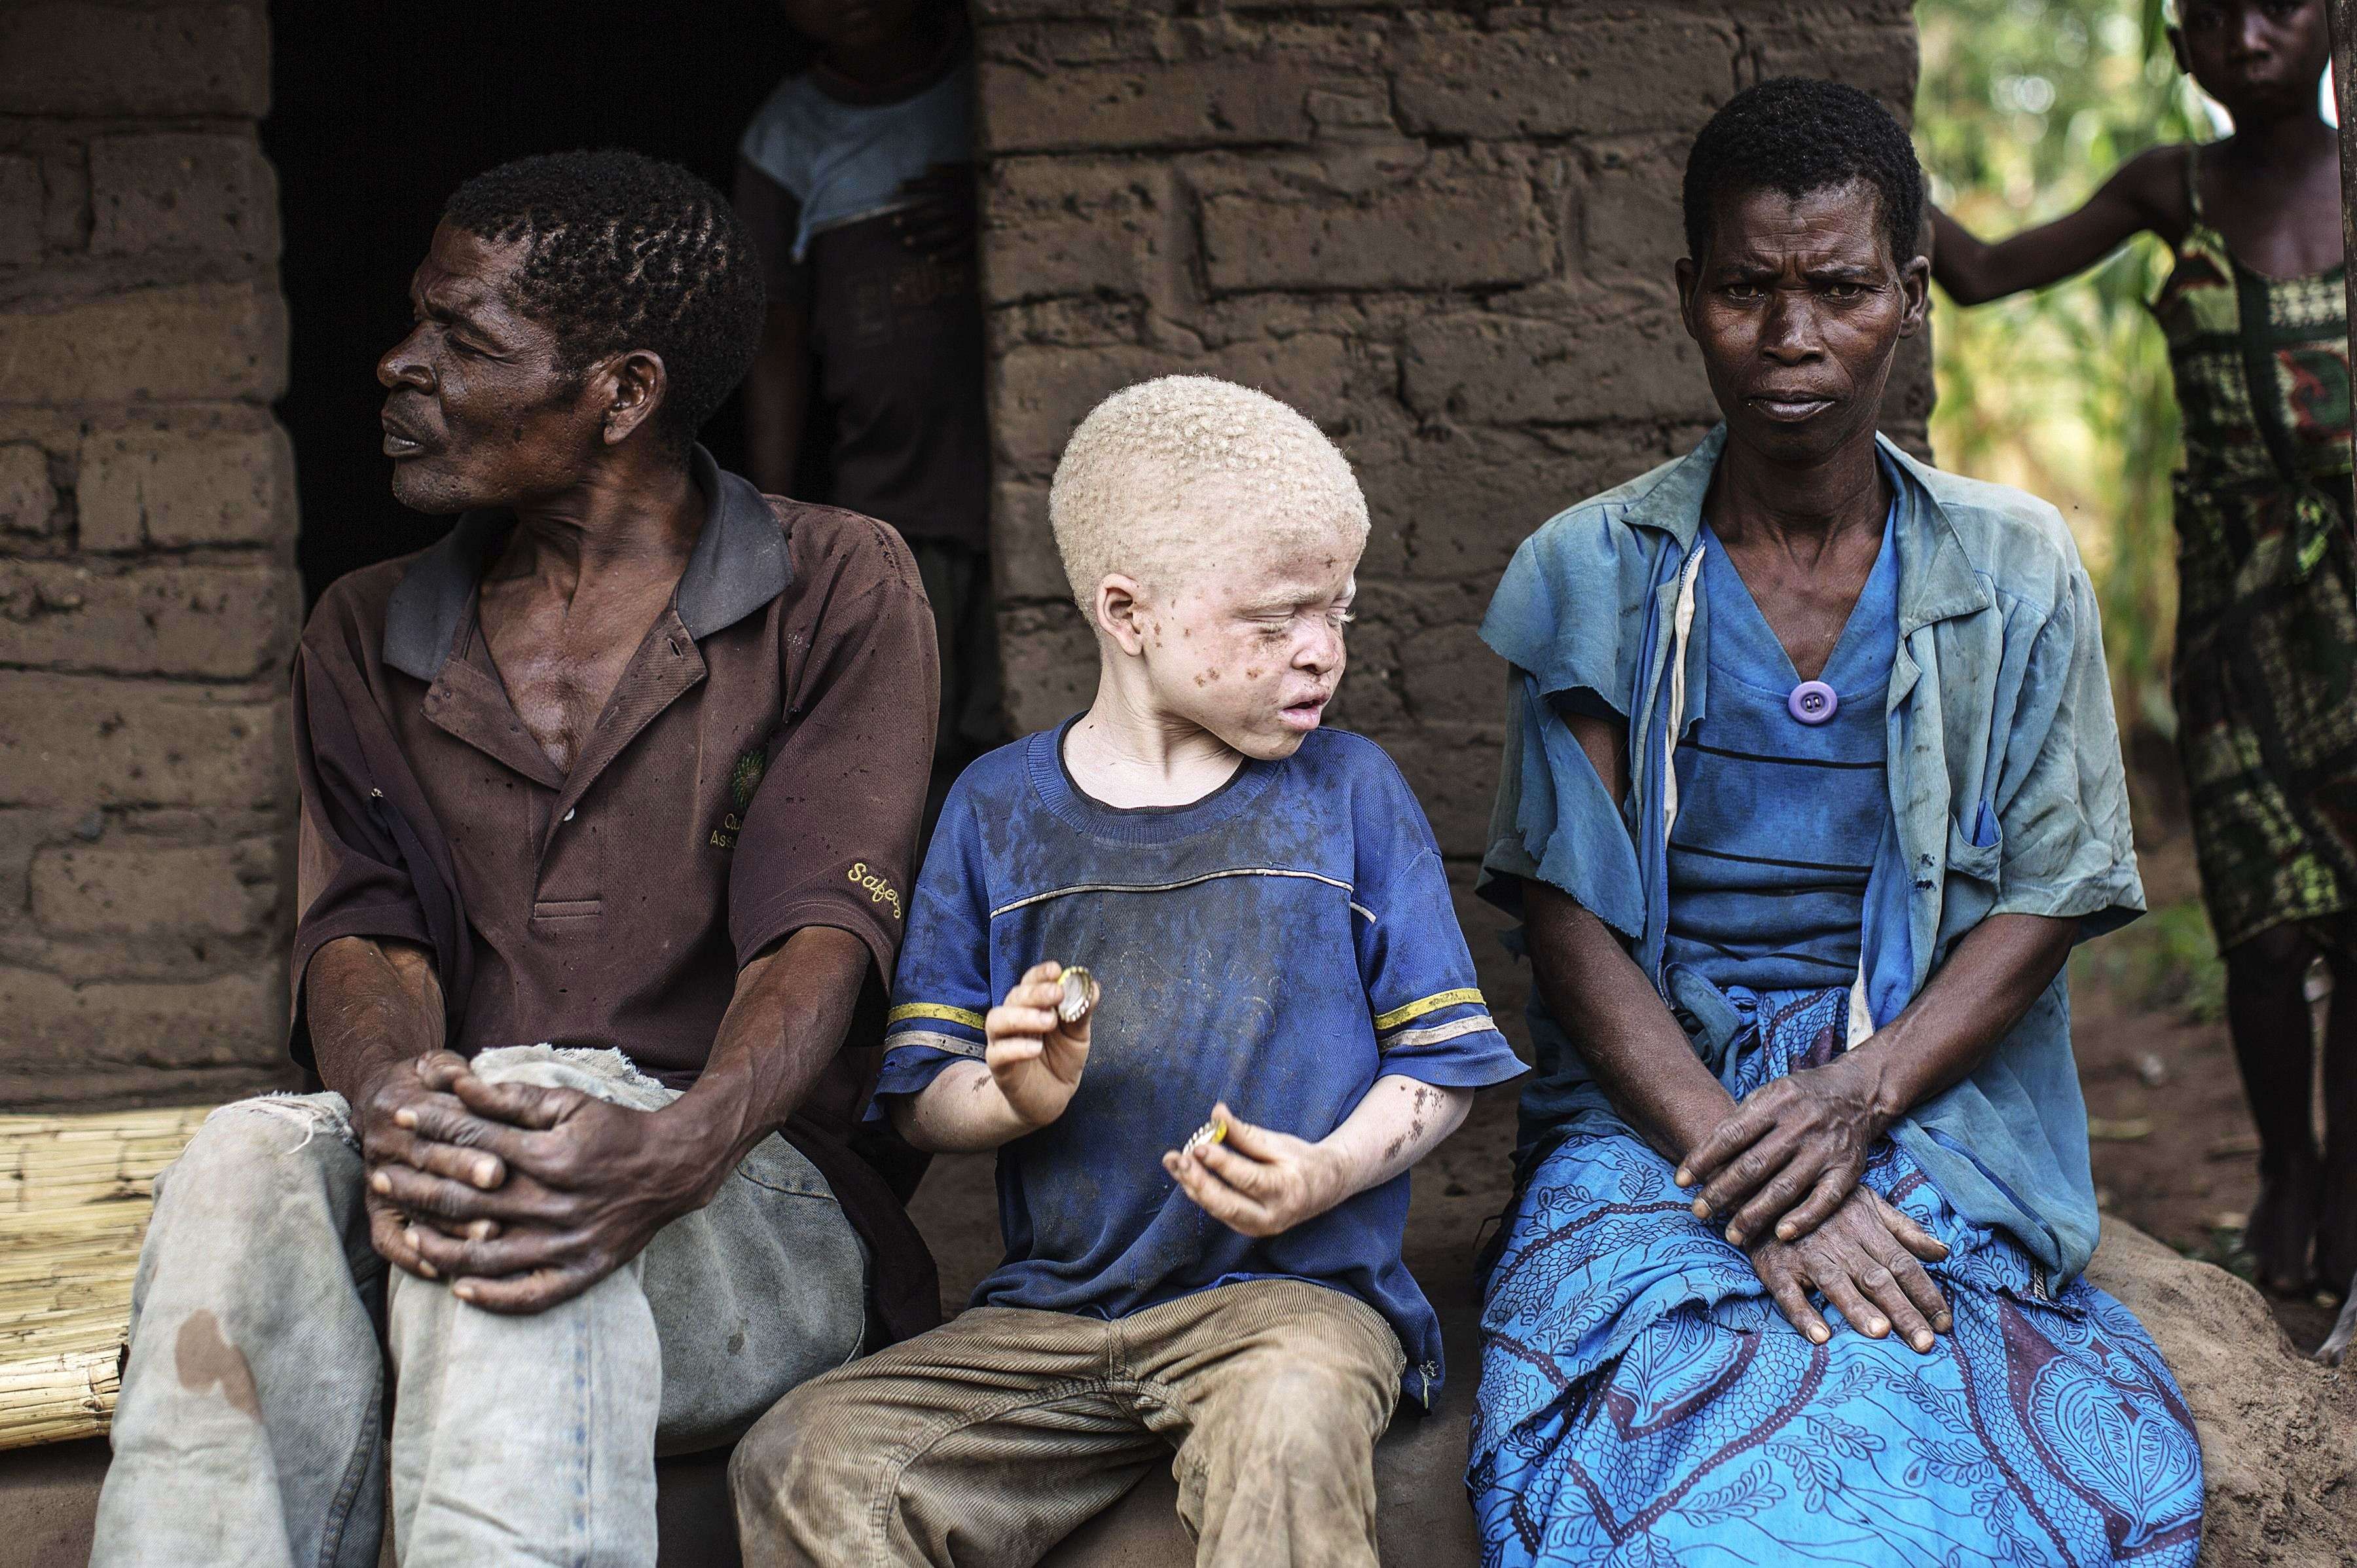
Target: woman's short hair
x=1121 y=497
x=1797 y=135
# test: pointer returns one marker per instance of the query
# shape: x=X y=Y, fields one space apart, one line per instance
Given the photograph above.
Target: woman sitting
x=1811 y=782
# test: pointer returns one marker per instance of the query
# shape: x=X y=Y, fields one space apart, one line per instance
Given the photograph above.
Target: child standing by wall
x=2266 y=678
x=1265 y=910
x=856 y=180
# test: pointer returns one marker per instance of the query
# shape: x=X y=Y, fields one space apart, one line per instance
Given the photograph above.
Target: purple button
x=1813 y=702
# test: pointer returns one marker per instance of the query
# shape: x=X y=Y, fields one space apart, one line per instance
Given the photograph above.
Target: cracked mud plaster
x=205 y=1359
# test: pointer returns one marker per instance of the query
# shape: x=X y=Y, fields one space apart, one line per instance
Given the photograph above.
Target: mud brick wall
x=147 y=596
x=1443 y=231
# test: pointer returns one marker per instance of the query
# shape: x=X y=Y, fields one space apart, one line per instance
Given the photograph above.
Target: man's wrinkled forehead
x=465 y=275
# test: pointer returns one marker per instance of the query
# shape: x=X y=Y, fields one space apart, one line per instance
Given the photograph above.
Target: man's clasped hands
x=521 y=1196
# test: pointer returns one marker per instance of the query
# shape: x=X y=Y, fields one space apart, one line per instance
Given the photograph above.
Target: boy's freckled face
x=1249 y=645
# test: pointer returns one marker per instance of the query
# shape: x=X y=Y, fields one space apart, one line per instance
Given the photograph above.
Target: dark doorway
x=379 y=111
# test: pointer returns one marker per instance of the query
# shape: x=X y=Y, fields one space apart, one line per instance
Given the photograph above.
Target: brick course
x=148 y=595
x=1445 y=232
x=207 y=193
x=144 y=890
x=183 y=344
x=77 y=59
x=169 y=490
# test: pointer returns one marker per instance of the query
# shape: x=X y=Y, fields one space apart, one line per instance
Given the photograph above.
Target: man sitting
x=1264 y=908
x=630 y=762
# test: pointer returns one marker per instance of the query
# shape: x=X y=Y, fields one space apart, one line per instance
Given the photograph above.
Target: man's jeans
x=250 y=1429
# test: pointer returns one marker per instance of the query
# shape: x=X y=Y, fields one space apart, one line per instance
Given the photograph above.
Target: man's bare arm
x=373 y=1005
x=785 y=1023
x=375 y=1009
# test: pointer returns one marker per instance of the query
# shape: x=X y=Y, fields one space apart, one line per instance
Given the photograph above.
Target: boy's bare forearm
x=962 y=1110
x=1400 y=1121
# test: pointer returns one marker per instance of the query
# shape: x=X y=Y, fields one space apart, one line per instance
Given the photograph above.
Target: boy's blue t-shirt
x=1278 y=945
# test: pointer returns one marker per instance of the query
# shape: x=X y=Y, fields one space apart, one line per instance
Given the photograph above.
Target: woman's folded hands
x=1783 y=1169
x=1866 y=1260
x=1790 y=1152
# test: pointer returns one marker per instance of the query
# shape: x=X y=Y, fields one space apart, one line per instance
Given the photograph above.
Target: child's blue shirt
x=844 y=162
x=1278 y=945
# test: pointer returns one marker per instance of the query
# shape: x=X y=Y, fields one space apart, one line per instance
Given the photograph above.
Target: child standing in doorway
x=2265 y=676
x=856 y=181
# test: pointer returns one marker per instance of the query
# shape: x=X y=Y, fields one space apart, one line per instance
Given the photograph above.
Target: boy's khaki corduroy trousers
x=986 y=1442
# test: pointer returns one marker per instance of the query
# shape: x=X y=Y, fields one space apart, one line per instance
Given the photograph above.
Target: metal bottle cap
x=1079 y=994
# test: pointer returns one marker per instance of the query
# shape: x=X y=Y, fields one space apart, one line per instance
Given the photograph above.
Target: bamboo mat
x=75 y=1191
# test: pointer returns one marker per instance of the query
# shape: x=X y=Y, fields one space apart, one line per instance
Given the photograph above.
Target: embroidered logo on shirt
x=744 y=780
x=879 y=889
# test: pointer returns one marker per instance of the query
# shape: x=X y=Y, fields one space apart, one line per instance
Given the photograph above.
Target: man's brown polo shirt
x=760 y=768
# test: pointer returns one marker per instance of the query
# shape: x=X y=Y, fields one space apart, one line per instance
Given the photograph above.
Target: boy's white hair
x=1120 y=500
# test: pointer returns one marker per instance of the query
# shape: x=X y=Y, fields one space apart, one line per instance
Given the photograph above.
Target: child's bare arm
x=1264 y=1183
x=2147 y=192
x=1031 y=1066
x=961 y=1111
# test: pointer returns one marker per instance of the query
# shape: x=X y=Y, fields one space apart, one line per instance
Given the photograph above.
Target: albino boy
x=1266 y=912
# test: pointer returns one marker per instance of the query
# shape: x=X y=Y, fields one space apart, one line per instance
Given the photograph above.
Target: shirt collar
x=738 y=564
x=1937 y=577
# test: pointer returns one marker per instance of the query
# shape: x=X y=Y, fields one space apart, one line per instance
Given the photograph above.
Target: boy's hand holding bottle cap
x=1035 y=1042
x=1215 y=1131
x=1079 y=997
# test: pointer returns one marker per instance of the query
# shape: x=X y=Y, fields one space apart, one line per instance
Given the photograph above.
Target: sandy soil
x=2174 y=1149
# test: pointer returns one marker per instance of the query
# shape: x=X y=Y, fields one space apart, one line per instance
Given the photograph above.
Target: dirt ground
x=2174 y=1149
x=2173 y=1145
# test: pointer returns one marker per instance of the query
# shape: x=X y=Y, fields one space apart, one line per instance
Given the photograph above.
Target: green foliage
x=2167 y=962
x=2025 y=108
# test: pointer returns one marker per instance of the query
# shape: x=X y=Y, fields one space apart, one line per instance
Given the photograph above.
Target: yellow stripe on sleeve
x=906 y=1011
x=1432 y=1003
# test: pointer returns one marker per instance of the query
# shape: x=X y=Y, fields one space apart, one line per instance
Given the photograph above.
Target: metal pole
x=2344 y=95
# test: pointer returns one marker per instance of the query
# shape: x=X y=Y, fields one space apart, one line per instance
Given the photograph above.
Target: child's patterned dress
x=2266 y=679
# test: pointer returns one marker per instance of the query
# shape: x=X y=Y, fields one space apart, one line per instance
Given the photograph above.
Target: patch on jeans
x=205 y=1360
